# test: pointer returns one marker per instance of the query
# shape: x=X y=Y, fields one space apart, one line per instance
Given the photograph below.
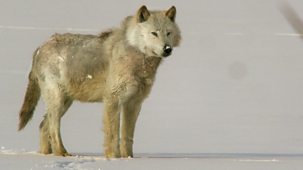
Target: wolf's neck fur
x=141 y=64
x=130 y=32
x=149 y=64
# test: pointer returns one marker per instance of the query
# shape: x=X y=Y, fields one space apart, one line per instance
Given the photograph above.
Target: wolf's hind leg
x=130 y=114
x=45 y=139
x=57 y=104
x=45 y=145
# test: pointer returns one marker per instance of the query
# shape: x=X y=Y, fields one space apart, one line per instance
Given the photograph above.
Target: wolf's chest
x=133 y=80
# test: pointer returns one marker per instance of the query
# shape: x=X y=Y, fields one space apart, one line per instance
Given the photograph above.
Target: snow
x=32 y=161
x=230 y=97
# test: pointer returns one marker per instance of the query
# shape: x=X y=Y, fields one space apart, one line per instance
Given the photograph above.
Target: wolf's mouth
x=154 y=53
x=166 y=55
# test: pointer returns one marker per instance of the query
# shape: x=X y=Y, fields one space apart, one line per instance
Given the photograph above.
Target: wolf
x=117 y=68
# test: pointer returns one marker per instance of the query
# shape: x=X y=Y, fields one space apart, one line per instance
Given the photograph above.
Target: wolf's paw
x=112 y=155
x=64 y=153
x=127 y=154
x=46 y=151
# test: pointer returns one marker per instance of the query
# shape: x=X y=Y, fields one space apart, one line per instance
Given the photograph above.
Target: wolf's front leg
x=111 y=123
x=130 y=114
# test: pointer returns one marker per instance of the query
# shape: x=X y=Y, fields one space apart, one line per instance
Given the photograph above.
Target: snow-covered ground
x=229 y=98
x=33 y=161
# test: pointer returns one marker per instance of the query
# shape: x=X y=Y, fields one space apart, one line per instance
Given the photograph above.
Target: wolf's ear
x=143 y=14
x=171 y=13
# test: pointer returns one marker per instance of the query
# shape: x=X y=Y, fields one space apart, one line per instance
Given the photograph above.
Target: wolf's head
x=154 y=33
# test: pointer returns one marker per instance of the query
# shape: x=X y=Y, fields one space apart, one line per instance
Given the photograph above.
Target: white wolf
x=117 y=67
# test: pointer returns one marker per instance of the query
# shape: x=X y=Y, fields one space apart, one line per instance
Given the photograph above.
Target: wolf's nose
x=167 y=50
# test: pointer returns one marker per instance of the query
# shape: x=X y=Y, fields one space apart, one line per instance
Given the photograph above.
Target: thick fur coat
x=117 y=68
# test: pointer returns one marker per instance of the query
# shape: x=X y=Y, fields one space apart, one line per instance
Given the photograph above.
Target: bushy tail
x=31 y=99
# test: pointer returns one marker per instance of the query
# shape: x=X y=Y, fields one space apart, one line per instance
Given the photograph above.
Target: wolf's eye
x=155 y=34
x=168 y=34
